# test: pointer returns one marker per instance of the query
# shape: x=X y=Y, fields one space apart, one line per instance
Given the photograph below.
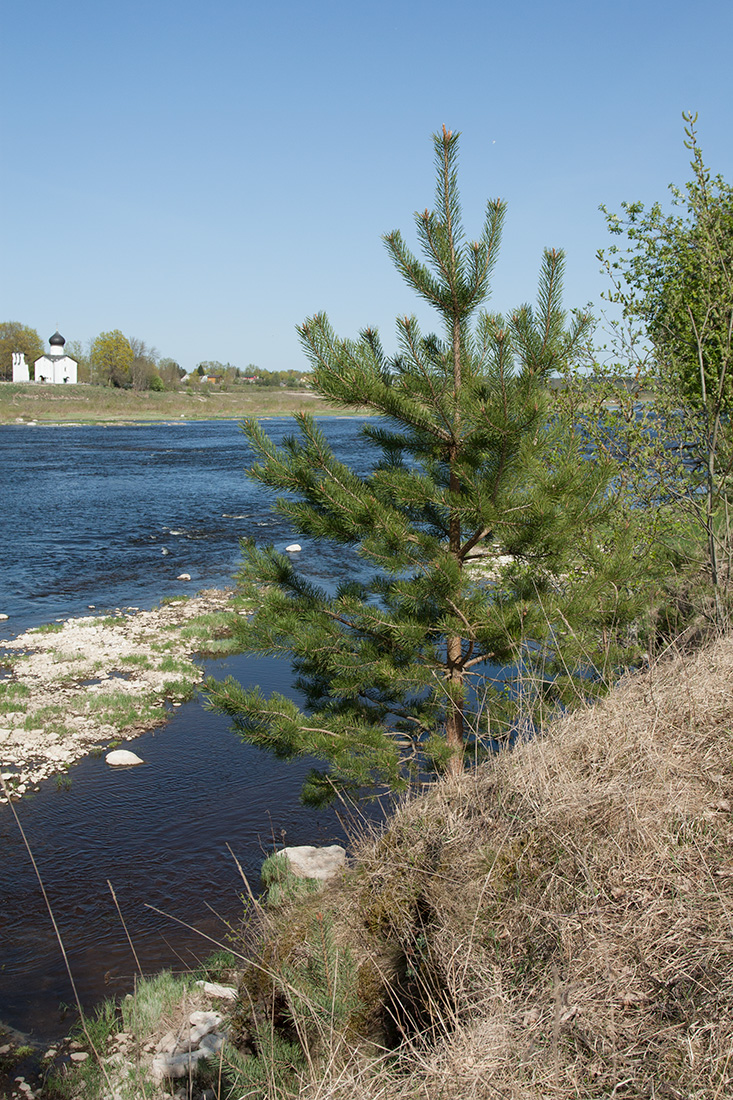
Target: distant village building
x=20 y=367
x=56 y=367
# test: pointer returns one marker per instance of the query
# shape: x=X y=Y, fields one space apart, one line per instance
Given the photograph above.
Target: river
x=108 y=517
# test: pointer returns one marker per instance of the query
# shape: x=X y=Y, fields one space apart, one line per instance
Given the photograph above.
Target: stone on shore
x=122 y=758
x=176 y=1065
x=215 y=989
x=307 y=861
x=177 y=1055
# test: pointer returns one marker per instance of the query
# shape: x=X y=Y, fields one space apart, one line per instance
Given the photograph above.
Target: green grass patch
x=12 y=697
x=182 y=690
x=175 y=664
x=281 y=882
x=43 y=718
x=212 y=634
x=139 y=660
x=156 y=1002
x=155 y=998
x=47 y=628
x=219 y=647
x=121 y=709
x=59 y=729
x=214 y=624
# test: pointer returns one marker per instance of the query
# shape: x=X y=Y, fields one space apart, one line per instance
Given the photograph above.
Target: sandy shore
x=80 y=685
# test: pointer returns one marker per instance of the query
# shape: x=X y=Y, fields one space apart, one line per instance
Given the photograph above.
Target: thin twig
x=119 y=912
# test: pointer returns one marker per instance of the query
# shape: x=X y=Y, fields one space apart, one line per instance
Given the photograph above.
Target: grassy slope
x=89 y=404
x=558 y=924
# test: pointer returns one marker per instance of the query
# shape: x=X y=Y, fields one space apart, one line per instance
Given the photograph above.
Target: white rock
x=79 y=1056
x=293 y=548
x=4 y=617
x=307 y=861
x=201 y=1024
x=176 y=1065
x=214 y=989
x=168 y=1043
x=183 y=577
x=122 y=758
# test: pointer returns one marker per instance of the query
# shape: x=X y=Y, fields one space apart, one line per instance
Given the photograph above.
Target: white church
x=56 y=367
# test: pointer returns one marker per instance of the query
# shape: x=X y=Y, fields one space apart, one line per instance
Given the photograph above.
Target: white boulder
x=122 y=758
x=215 y=989
x=202 y=1023
x=176 y=1065
x=307 y=861
x=183 y=577
x=294 y=548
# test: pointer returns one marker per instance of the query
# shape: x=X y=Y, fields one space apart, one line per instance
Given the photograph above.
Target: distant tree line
x=226 y=374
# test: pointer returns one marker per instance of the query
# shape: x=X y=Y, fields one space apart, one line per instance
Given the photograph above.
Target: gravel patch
x=74 y=686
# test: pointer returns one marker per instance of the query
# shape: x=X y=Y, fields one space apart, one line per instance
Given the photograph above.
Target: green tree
x=212 y=367
x=75 y=349
x=676 y=271
x=289 y=378
x=112 y=358
x=17 y=337
x=673 y=278
x=482 y=523
x=170 y=371
x=143 y=371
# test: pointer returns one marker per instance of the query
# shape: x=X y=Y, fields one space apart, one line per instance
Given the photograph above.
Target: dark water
x=111 y=516
x=86 y=513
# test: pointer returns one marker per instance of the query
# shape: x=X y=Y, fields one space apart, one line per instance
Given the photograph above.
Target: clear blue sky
x=204 y=176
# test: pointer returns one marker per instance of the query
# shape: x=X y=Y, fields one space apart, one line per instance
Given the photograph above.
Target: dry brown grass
x=559 y=923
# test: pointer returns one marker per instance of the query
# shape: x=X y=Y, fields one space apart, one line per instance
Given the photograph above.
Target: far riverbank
x=87 y=404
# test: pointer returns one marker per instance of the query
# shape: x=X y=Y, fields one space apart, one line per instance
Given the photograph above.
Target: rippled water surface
x=112 y=515
x=87 y=513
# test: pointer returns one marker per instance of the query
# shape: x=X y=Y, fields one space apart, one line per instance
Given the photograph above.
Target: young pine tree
x=480 y=523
